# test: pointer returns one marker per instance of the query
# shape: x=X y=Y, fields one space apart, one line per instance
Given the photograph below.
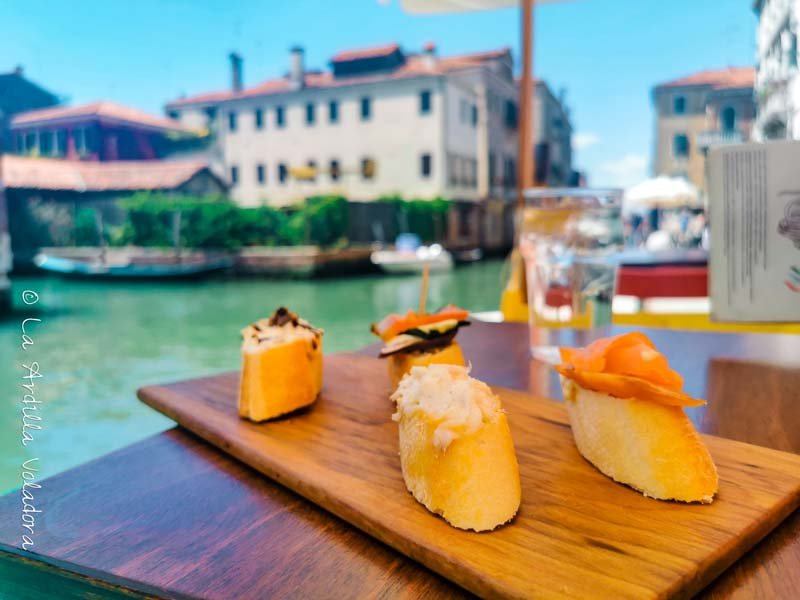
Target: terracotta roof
x=731 y=77
x=375 y=52
x=103 y=110
x=80 y=176
x=414 y=66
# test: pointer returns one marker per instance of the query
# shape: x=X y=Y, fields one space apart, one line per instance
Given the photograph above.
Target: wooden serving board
x=577 y=534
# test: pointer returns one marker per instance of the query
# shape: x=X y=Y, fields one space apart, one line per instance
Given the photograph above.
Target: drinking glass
x=569 y=238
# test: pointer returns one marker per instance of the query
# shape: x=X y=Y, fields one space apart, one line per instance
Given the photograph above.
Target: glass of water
x=569 y=238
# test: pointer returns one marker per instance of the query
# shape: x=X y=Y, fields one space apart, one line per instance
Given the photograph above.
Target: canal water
x=99 y=341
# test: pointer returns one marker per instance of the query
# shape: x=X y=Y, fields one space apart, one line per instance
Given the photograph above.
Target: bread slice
x=456 y=451
x=649 y=446
x=402 y=362
x=281 y=368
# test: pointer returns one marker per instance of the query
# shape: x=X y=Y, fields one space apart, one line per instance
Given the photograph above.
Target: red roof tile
x=414 y=66
x=78 y=176
x=357 y=54
x=103 y=110
x=474 y=58
x=731 y=77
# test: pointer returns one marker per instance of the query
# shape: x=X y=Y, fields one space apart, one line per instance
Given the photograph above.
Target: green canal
x=96 y=342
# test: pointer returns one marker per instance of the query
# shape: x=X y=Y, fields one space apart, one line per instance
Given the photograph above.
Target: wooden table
x=173 y=517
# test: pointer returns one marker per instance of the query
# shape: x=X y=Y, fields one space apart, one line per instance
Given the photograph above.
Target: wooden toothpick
x=423 y=293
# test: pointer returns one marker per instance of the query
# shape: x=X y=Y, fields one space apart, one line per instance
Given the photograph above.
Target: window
x=45 y=143
x=81 y=141
x=31 y=142
x=234 y=174
x=92 y=142
x=509 y=172
x=61 y=142
x=283 y=173
x=461 y=171
x=728 y=119
x=310 y=114
x=425 y=102
x=335 y=170
x=173 y=114
x=452 y=169
x=231 y=121
x=260 y=173
x=84 y=141
x=492 y=168
x=280 y=117
x=312 y=166
x=333 y=111
x=367 y=168
x=366 y=108
x=679 y=105
x=425 y=166
x=259 y=117
x=211 y=112
x=775 y=129
x=510 y=115
x=680 y=145
x=463 y=222
x=474 y=115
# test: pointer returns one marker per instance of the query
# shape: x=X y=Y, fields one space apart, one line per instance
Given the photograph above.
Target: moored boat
x=410 y=256
x=133 y=266
x=413 y=261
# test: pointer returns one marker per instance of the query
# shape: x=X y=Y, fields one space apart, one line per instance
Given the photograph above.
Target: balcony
x=711 y=139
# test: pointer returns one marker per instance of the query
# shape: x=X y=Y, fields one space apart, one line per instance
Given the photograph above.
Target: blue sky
x=606 y=54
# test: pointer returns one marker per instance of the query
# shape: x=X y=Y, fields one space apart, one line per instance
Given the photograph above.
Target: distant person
x=638 y=235
x=696 y=228
x=683 y=219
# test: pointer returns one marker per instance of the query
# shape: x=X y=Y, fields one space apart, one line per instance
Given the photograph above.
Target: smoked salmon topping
x=625 y=366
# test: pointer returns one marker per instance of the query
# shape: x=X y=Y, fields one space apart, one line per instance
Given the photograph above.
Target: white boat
x=413 y=261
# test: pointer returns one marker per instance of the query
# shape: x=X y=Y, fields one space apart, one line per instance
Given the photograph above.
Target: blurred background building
x=697 y=112
x=98 y=131
x=60 y=160
x=380 y=121
x=19 y=94
x=777 y=82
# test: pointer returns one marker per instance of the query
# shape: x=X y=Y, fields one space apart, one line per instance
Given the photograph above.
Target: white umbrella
x=661 y=192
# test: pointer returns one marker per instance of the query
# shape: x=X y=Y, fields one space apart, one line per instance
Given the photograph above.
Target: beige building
x=698 y=112
x=778 y=78
x=380 y=121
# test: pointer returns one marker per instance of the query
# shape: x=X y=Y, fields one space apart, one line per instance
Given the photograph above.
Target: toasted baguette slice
x=649 y=446
x=281 y=368
x=456 y=451
x=402 y=362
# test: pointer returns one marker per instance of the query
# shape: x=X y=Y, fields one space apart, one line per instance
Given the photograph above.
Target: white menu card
x=754 y=214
